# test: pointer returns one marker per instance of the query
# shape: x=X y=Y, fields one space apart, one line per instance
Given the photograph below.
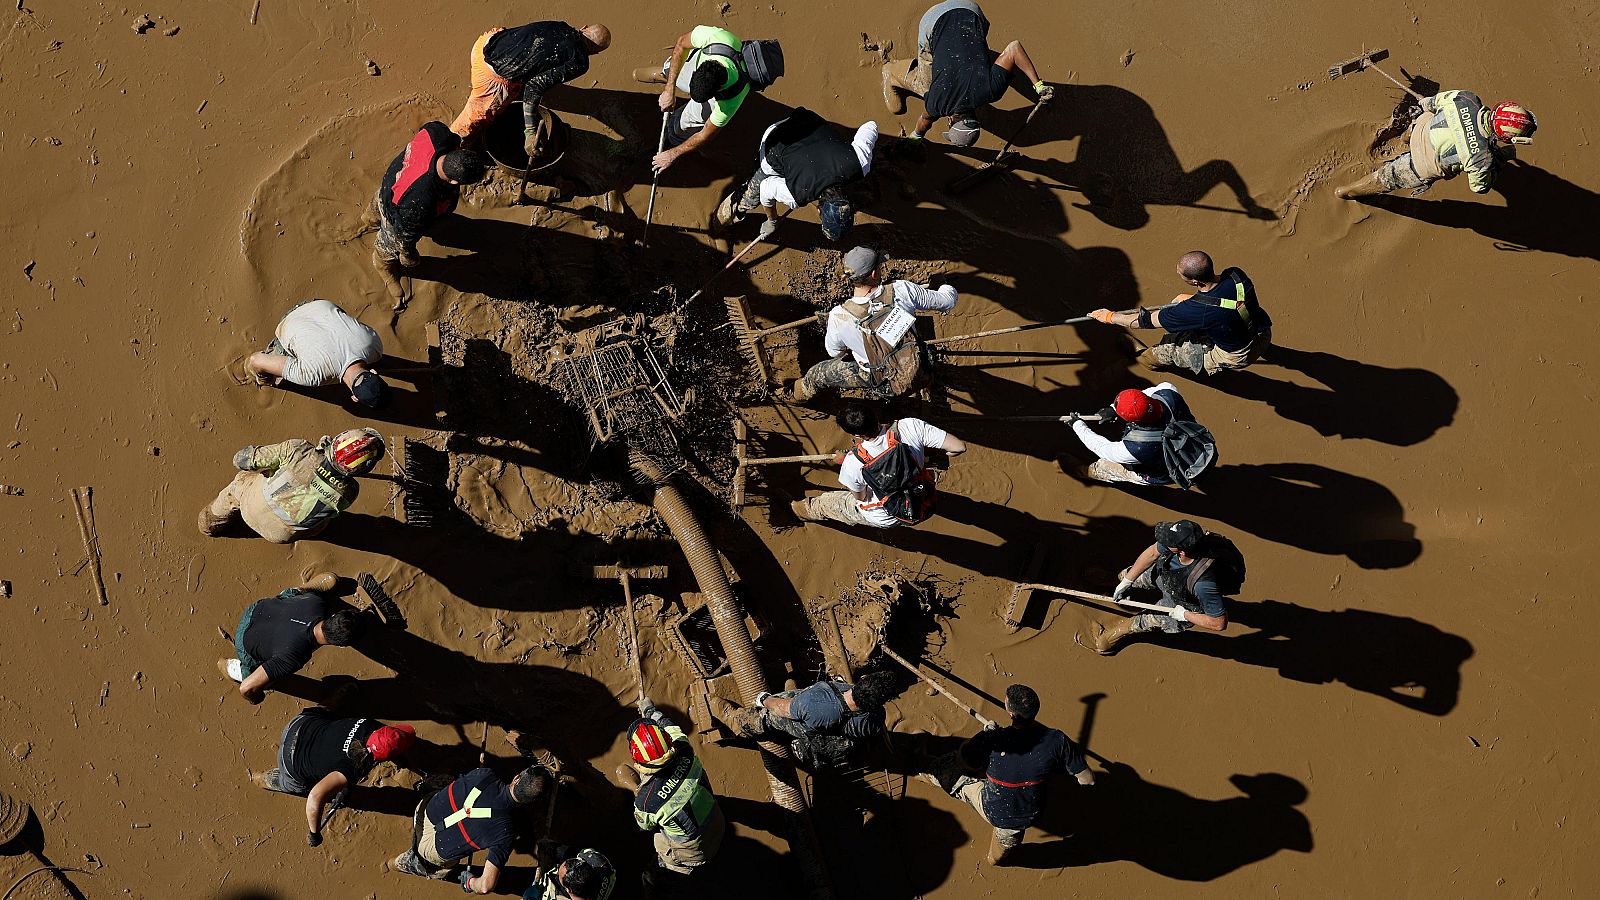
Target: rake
x=751 y=338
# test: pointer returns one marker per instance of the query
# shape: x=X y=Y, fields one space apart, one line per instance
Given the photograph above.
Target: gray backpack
x=1188 y=449
x=760 y=63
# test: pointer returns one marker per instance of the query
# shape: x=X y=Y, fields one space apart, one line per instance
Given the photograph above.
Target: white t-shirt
x=916 y=434
x=844 y=331
x=775 y=188
x=322 y=341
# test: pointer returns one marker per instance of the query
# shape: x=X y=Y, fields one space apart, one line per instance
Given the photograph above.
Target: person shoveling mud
x=320 y=755
x=718 y=71
x=1195 y=570
x=824 y=722
x=292 y=490
x=524 y=62
x=871 y=339
x=1220 y=325
x=421 y=186
x=1454 y=133
x=886 y=477
x=277 y=636
x=318 y=344
x=803 y=158
x=1161 y=442
x=672 y=797
x=955 y=72
x=1001 y=773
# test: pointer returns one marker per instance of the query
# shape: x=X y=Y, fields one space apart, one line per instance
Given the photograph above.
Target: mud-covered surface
x=1397 y=708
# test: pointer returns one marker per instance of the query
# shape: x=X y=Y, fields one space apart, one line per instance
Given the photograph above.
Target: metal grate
x=698 y=641
x=612 y=372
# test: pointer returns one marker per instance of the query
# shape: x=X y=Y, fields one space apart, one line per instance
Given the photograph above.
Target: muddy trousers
x=835 y=506
x=1194 y=352
x=245 y=498
x=685 y=857
x=945 y=771
x=423 y=859
x=1116 y=473
x=1144 y=622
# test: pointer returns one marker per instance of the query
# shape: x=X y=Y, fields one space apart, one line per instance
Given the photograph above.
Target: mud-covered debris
x=172 y=32
x=372 y=68
x=28 y=269
x=5 y=589
x=142 y=23
x=1127 y=59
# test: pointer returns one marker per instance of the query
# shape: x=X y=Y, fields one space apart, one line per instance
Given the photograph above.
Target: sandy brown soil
x=1400 y=709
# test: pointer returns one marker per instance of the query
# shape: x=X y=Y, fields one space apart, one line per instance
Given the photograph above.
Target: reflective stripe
x=465 y=811
x=1237 y=304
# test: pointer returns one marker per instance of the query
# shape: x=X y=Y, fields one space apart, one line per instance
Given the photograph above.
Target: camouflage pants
x=1193 y=352
x=389 y=246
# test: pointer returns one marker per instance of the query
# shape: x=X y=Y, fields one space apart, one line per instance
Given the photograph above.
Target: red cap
x=389 y=740
x=1139 y=407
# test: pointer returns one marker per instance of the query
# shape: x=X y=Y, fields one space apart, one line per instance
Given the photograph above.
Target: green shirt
x=720 y=112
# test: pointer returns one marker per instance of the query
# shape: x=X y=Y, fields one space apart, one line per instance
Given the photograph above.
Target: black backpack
x=759 y=64
x=906 y=487
x=1227 y=563
x=1187 y=448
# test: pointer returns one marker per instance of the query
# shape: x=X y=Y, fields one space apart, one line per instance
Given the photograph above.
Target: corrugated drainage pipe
x=728 y=619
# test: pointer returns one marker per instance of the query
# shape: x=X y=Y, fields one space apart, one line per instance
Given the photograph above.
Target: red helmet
x=649 y=744
x=356 y=451
x=1512 y=123
x=1139 y=407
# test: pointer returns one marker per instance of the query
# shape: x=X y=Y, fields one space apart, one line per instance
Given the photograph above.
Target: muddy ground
x=1399 y=709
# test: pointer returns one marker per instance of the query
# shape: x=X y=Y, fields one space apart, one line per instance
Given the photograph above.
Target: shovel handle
x=1085 y=595
x=1402 y=86
x=988 y=724
x=1015 y=328
x=773 y=460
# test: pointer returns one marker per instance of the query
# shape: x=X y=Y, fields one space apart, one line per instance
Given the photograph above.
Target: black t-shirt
x=1016 y=760
x=492 y=832
x=413 y=193
x=279 y=636
x=1224 y=327
x=963 y=78
x=325 y=745
x=544 y=53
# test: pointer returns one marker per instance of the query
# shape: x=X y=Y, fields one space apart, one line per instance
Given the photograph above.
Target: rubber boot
x=649 y=75
x=321 y=583
x=801 y=511
x=997 y=853
x=387 y=271
x=628 y=777
x=1366 y=187
x=227 y=666
x=1106 y=641
x=800 y=391
x=728 y=210
x=892 y=98
x=212 y=524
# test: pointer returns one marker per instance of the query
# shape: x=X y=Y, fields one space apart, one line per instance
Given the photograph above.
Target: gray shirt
x=322 y=341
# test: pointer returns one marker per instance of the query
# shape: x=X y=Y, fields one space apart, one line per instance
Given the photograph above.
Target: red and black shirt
x=413 y=194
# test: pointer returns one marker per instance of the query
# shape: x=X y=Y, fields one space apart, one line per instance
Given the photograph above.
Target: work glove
x=1103 y=316
x=313 y=839
x=768 y=229
x=466 y=880
x=1045 y=91
x=1123 y=587
x=1179 y=613
x=530 y=144
x=1108 y=415
x=241 y=460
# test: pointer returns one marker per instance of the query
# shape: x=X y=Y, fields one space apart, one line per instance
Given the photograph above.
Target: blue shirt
x=1224 y=327
x=820 y=708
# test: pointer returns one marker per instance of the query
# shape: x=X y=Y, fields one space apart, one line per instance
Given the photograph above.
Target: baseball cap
x=860 y=262
x=1180 y=535
x=370 y=390
x=390 y=740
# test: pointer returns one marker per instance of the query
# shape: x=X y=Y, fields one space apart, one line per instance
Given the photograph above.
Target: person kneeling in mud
x=293 y=489
x=867 y=339
x=824 y=721
x=1194 y=569
x=421 y=186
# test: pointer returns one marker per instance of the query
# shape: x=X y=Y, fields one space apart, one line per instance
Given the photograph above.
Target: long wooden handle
x=1164 y=610
x=771 y=460
x=1402 y=86
x=784 y=327
x=987 y=723
x=633 y=636
x=1029 y=327
x=1038 y=105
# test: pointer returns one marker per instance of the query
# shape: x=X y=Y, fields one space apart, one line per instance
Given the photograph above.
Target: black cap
x=370 y=390
x=1180 y=535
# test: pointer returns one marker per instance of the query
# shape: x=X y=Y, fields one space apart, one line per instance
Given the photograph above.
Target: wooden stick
x=1085 y=595
x=650 y=211
x=988 y=724
x=633 y=637
x=83 y=504
x=255 y=11
x=771 y=460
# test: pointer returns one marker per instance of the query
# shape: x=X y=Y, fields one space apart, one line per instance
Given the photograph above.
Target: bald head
x=599 y=37
x=1195 y=266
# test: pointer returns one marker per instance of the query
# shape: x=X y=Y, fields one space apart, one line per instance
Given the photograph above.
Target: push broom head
x=1357 y=63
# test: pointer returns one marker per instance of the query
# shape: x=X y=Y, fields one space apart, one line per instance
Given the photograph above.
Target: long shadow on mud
x=1303 y=505
x=1348 y=404
x=1543 y=212
x=1125 y=161
x=1122 y=815
x=1394 y=657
